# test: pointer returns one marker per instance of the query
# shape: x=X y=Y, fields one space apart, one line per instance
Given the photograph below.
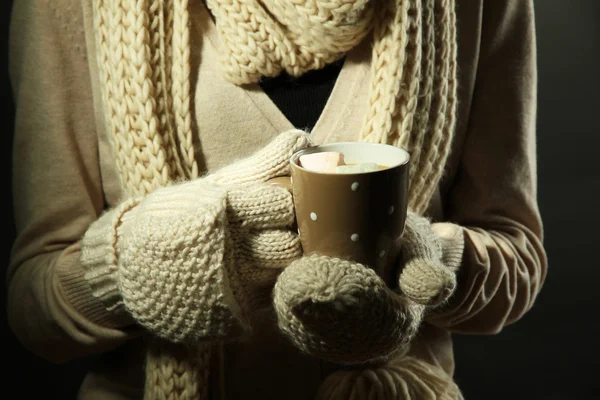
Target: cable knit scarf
x=143 y=49
x=266 y=38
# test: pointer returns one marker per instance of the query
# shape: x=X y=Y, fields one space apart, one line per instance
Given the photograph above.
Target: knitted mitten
x=428 y=276
x=191 y=260
x=345 y=313
x=341 y=311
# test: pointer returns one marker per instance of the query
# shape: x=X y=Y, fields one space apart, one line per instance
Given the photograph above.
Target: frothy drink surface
x=334 y=162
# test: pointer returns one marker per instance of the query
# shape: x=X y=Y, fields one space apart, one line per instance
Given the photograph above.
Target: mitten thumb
x=424 y=278
x=270 y=162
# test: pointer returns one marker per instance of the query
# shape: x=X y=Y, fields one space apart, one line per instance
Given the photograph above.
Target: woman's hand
x=344 y=312
x=194 y=259
x=427 y=276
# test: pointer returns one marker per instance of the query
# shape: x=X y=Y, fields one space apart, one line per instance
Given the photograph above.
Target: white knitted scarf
x=144 y=62
x=262 y=39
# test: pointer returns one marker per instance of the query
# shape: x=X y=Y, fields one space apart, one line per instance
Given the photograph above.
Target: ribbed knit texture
x=176 y=371
x=144 y=62
x=143 y=58
x=83 y=295
x=412 y=101
x=402 y=378
x=99 y=256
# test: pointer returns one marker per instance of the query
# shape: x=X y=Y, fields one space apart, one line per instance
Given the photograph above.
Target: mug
x=358 y=217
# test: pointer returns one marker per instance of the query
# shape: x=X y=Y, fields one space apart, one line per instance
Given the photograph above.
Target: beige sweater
x=65 y=177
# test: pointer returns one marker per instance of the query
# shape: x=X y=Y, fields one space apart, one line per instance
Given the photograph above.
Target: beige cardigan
x=65 y=176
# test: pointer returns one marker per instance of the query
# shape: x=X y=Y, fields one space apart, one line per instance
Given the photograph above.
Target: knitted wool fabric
x=426 y=279
x=290 y=36
x=342 y=312
x=143 y=58
x=182 y=249
x=144 y=63
x=402 y=378
x=192 y=261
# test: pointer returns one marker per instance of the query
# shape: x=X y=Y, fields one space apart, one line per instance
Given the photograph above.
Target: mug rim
x=310 y=150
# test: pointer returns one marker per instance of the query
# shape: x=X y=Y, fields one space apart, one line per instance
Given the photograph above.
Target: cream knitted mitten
x=191 y=260
x=343 y=312
x=425 y=278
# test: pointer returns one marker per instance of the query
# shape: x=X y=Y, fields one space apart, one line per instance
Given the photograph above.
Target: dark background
x=551 y=354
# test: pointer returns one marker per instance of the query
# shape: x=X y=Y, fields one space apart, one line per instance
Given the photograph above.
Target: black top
x=303 y=99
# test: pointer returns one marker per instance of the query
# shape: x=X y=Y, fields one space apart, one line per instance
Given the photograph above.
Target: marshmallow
x=326 y=161
x=357 y=168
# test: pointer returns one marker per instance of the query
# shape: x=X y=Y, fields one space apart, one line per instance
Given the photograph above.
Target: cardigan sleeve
x=57 y=190
x=493 y=198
